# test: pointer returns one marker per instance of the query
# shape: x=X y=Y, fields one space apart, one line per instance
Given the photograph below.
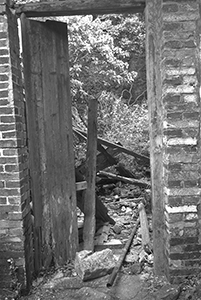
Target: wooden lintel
x=79 y=7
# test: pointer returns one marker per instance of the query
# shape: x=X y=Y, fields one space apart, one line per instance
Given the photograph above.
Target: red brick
x=8 y=143
x=191 y=115
x=174 y=201
x=14 y=200
x=3 y=200
x=10 y=152
x=184 y=272
x=174 y=183
x=13 y=184
x=9 y=192
x=8 y=160
x=183 y=241
x=173 y=81
x=7 y=119
x=6 y=111
x=3 y=85
x=171 y=26
x=4 y=60
x=190 y=183
x=9 y=134
x=3 y=77
x=12 y=168
x=168 y=8
x=185 y=256
x=174 y=116
x=173 y=132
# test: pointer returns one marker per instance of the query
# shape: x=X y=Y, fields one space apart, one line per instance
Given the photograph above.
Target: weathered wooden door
x=50 y=140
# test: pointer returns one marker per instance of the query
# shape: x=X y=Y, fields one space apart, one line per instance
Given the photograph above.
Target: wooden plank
x=49 y=102
x=60 y=171
x=156 y=118
x=90 y=195
x=80 y=186
x=79 y=7
x=144 y=225
x=33 y=89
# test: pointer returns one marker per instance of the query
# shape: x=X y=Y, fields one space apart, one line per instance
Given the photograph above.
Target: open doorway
x=107 y=63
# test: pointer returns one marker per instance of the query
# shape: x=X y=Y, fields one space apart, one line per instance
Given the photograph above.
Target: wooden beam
x=79 y=7
x=90 y=194
x=144 y=158
x=141 y=183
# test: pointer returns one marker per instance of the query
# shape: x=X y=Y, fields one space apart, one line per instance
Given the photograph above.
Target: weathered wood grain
x=50 y=138
x=79 y=7
x=154 y=86
x=90 y=195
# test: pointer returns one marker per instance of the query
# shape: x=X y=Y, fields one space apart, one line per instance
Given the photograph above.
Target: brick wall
x=176 y=95
x=15 y=216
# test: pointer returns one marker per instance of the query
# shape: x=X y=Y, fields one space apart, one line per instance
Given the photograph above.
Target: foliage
x=107 y=62
x=101 y=52
x=122 y=123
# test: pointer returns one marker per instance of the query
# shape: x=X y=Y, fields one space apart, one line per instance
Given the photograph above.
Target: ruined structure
x=36 y=155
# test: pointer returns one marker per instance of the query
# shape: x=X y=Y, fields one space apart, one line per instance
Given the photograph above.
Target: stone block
x=90 y=265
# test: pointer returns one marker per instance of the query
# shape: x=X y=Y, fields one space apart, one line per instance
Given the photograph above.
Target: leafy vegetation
x=107 y=62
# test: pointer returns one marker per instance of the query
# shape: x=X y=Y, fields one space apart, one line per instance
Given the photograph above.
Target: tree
x=107 y=62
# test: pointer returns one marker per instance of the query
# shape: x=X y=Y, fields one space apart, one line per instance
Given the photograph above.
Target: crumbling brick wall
x=173 y=60
x=15 y=216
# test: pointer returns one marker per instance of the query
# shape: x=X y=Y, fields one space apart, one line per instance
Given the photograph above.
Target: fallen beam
x=143 y=158
x=144 y=225
x=141 y=183
x=79 y=7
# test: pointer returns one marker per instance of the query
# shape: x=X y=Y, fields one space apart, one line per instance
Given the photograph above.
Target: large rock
x=90 y=265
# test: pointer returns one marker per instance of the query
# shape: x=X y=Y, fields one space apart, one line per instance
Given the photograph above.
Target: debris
x=114 y=242
x=144 y=225
x=90 y=265
x=101 y=235
x=168 y=292
x=132 y=257
x=125 y=179
x=143 y=158
x=142 y=256
x=135 y=268
x=116 y=228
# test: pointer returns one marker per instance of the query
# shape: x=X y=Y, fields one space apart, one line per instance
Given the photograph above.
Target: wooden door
x=50 y=140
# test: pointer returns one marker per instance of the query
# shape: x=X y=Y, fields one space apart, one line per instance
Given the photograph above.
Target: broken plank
x=144 y=225
x=78 y=7
x=90 y=194
x=125 y=179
